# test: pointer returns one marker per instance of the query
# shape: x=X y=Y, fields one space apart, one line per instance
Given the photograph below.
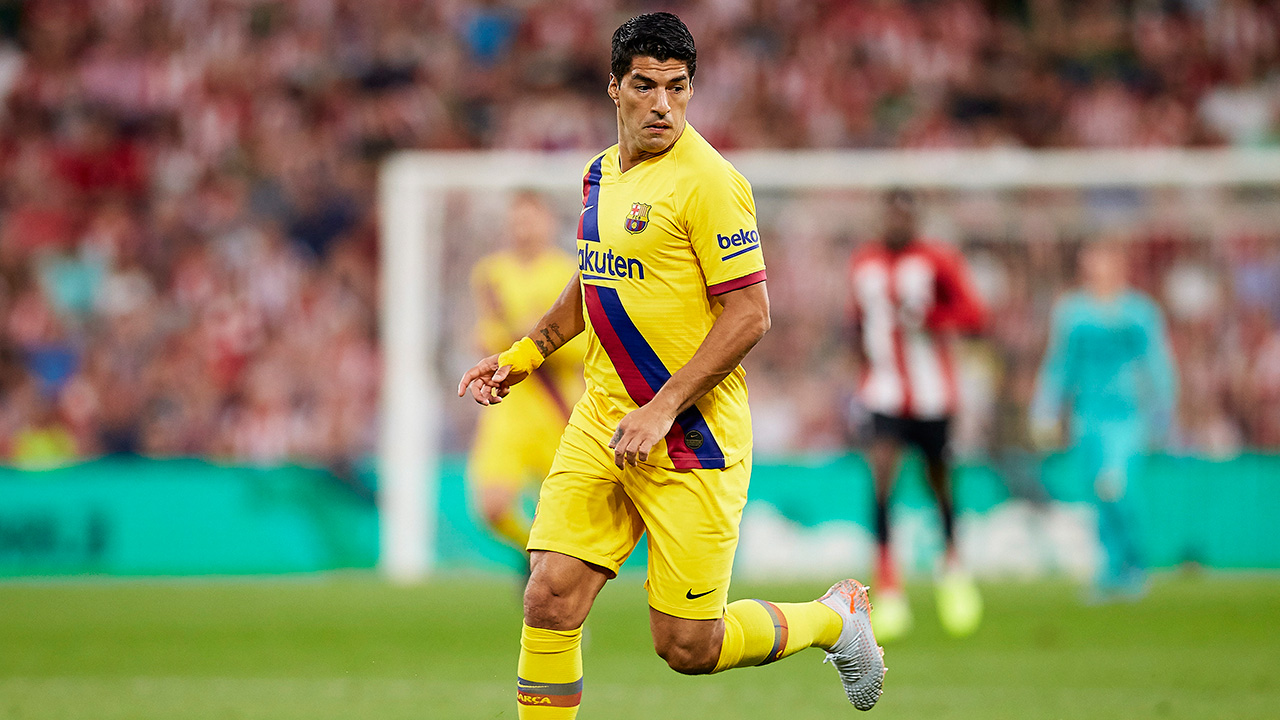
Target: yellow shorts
x=594 y=511
x=515 y=441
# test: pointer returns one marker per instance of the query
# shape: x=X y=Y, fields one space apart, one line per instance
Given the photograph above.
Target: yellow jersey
x=656 y=245
x=513 y=294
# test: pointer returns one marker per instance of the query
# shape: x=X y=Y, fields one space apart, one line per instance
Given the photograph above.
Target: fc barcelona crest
x=638 y=218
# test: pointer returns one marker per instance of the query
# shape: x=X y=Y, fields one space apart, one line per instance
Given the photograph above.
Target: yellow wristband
x=523 y=356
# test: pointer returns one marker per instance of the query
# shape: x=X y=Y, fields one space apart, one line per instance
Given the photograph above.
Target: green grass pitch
x=350 y=647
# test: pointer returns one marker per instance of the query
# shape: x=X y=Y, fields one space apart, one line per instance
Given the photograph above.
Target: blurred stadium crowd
x=187 y=241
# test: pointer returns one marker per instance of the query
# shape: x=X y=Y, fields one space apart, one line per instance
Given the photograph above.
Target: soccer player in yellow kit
x=670 y=291
x=515 y=443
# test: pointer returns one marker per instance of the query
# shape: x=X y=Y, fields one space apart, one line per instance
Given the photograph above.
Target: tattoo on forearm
x=547 y=344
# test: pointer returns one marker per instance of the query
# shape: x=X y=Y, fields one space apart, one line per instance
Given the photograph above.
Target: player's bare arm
x=489 y=382
x=743 y=322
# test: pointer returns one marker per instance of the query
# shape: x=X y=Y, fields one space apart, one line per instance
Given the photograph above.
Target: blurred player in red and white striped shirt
x=912 y=297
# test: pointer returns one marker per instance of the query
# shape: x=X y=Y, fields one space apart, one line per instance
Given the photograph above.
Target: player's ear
x=613 y=88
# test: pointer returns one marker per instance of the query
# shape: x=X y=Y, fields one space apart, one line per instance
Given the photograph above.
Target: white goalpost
x=413 y=189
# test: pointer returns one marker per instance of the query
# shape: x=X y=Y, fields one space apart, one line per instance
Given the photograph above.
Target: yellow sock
x=758 y=632
x=549 y=674
x=513 y=528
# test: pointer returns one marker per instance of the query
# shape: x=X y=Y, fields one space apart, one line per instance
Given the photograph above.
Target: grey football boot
x=857 y=657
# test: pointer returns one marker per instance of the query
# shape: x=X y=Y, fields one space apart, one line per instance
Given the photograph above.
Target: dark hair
x=660 y=35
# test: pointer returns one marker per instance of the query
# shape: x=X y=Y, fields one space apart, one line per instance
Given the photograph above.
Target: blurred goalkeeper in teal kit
x=1108 y=360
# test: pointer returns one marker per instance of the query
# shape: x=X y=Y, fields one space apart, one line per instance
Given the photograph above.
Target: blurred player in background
x=671 y=295
x=1109 y=360
x=911 y=297
x=515 y=443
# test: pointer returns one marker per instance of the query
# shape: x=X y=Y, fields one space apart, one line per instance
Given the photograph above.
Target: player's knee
x=547 y=606
x=689 y=658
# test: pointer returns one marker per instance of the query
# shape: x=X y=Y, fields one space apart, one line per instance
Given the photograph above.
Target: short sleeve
x=720 y=216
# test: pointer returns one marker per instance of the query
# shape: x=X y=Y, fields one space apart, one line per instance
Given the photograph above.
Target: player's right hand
x=638 y=432
x=488 y=382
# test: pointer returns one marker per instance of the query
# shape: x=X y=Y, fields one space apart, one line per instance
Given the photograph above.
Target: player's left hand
x=638 y=432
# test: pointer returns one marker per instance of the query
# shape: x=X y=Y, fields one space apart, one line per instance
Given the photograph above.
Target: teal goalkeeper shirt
x=1110 y=361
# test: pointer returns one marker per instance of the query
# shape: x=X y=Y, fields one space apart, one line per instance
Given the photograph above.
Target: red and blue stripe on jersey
x=643 y=375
